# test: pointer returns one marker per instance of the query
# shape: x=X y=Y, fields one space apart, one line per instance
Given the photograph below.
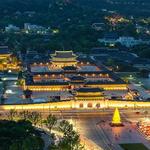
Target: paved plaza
x=99 y=132
x=122 y=135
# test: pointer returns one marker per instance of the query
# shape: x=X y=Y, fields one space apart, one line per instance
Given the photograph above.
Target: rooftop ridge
x=63 y=51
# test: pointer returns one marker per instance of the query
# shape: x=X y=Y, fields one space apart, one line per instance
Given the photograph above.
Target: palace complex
x=66 y=72
x=67 y=80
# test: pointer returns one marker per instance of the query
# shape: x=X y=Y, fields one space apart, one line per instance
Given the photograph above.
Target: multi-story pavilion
x=63 y=58
x=86 y=93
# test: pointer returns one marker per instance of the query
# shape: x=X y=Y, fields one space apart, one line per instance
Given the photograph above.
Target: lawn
x=134 y=146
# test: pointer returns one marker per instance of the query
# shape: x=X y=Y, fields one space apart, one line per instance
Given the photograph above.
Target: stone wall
x=72 y=104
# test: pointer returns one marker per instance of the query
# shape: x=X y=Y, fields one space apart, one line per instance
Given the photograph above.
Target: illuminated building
x=4 y=57
x=63 y=58
x=65 y=72
x=8 y=62
x=115 y=19
x=116 y=120
x=89 y=94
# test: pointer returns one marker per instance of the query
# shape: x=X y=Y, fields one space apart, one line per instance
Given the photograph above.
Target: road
x=84 y=113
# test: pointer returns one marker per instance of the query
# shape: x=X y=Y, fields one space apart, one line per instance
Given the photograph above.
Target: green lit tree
x=71 y=139
x=50 y=121
x=24 y=115
x=12 y=114
x=34 y=117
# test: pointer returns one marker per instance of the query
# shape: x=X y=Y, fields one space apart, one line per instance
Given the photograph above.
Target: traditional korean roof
x=105 y=82
x=4 y=50
x=86 y=89
x=63 y=54
x=47 y=73
x=49 y=83
x=69 y=68
x=77 y=78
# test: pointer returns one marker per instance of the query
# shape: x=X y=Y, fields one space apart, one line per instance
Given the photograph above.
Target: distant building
x=98 y=26
x=32 y=28
x=127 y=41
x=109 y=39
x=12 y=28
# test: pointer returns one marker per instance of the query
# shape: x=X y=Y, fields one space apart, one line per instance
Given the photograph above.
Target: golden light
x=116 y=120
x=46 y=75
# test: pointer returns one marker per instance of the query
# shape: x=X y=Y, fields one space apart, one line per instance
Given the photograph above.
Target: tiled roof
x=4 y=50
x=77 y=78
x=64 y=54
x=48 y=83
x=69 y=68
x=85 y=89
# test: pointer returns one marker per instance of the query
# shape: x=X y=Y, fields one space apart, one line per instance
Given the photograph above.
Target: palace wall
x=73 y=104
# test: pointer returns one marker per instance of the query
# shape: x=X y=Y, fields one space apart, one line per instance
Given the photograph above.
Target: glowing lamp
x=116 y=120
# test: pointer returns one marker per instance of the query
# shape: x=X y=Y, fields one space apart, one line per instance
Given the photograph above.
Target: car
x=137 y=112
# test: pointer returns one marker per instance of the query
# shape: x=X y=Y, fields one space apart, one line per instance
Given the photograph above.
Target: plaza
x=101 y=136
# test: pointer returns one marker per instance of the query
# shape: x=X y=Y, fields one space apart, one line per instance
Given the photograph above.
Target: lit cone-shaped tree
x=116 y=120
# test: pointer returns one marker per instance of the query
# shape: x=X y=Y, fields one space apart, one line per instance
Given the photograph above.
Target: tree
x=19 y=135
x=65 y=127
x=50 y=121
x=33 y=143
x=142 y=50
x=70 y=140
x=110 y=62
x=27 y=93
x=144 y=73
x=12 y=114
x=24 y=115
x=15 y=146
x=20 y=75
x=35 y=117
